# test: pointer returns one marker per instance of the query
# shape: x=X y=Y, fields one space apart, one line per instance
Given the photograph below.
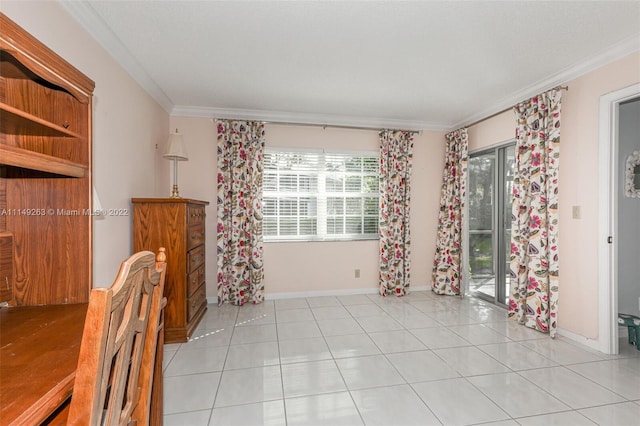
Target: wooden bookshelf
x=45 y=174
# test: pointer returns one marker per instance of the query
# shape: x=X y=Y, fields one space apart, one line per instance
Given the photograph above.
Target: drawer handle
x=195 y=236
x=194 y=259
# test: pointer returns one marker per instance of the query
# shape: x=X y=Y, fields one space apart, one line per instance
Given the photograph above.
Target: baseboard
x=341 y=292
x=420 y=288
x=585 y=341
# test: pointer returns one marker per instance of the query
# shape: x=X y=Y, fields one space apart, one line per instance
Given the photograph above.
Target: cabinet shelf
x=18 y=122
x=23 y=158
x=45 y=163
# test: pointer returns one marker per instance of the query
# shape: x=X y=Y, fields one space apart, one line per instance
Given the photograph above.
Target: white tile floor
x=363 y=359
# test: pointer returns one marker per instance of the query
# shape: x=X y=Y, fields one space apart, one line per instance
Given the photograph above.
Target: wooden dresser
x=178 y=224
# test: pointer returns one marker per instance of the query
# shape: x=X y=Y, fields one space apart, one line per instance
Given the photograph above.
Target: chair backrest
x=151 y=369
x=106 y=389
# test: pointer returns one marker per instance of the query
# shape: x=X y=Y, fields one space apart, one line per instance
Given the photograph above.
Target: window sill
x=323 y=240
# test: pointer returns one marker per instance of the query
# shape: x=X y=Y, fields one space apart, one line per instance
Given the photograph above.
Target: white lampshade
x=176 y=149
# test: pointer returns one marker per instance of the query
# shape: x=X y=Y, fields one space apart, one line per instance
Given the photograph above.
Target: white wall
x=127 y=125
x=628 y=243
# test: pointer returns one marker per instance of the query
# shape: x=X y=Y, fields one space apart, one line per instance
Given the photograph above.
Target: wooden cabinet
x=178 y=225
x=45 y=174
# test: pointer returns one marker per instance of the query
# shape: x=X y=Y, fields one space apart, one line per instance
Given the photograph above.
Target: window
x=313 y=195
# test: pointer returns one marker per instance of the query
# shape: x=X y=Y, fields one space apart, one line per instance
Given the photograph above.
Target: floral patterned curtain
x=447 y=263
x=240 y=269
x=396 y=154
x=534 y=220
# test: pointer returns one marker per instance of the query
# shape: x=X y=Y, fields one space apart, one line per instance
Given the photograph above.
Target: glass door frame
x=500 y=223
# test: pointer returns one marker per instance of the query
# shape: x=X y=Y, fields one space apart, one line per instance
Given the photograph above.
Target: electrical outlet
x=356 y=273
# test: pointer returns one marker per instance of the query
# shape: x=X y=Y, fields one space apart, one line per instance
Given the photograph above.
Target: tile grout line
x=335 y=363
x=215 y=397
x=389 y=311
x=284 y=401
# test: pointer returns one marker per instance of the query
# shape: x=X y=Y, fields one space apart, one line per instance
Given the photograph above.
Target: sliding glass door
x=490 y=185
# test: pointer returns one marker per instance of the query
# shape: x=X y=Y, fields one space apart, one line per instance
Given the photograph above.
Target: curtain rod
x=337 y=126
x=340 y=126
x=507 y=109
x=324 y=126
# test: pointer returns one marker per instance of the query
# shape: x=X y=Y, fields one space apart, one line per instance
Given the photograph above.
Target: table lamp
x=176 y=151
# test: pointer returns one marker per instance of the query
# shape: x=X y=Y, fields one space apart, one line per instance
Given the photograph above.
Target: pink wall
x=578 y=303
x=128 y=125
x=197 y=180
x=579 y=170
x=496 y=130
x=428 y=164
x=318 y=267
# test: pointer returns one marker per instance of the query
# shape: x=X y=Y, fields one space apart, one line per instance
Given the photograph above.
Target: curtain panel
x=396 y=155
x=447 y=263
x=239 y=208
x=533 y=267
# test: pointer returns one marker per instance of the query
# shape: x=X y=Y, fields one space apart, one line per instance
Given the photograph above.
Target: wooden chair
x=119 y=343
x=150 y=380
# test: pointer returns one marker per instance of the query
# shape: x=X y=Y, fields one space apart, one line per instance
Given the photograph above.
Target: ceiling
x=414 y=65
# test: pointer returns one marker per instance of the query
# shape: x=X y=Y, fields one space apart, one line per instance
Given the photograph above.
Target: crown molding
x=611 y=54
x=87 y=17
x=286 y=117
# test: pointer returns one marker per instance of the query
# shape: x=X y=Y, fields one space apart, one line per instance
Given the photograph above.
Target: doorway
x=489 y=227
x=610 y=192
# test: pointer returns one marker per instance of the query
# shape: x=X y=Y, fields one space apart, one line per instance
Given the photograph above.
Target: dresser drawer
x=195 y=236
x=194 y=303
x=195 y=214
x=158 y=223
x=195 y=279
x=195 y=258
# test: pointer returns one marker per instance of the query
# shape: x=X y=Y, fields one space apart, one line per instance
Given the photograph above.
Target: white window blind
x=313 y=195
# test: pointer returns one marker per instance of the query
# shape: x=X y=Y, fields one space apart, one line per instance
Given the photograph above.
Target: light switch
x=575 y=212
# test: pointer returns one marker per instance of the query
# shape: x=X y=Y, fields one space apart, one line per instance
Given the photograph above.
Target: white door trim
x=607 y=209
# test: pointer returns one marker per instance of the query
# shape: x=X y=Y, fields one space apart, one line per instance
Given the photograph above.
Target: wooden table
x=39 y=348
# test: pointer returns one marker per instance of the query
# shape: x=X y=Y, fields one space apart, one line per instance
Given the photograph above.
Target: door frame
x=499 y=150
x=608 y=188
